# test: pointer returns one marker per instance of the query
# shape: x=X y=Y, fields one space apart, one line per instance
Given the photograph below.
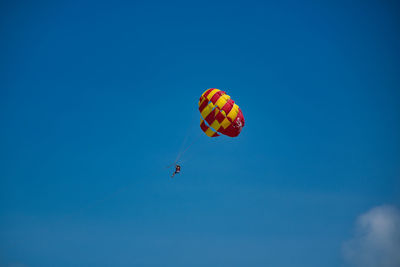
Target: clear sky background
x=97 y=97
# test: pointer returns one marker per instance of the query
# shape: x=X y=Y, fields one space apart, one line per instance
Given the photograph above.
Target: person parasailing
x=177 y=170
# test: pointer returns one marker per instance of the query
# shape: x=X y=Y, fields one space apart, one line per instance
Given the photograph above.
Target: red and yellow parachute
x=219 y=114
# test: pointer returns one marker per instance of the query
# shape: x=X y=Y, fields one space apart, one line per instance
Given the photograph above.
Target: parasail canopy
x=219 y=114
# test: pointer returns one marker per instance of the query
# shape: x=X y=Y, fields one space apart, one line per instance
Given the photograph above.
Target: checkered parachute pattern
x=219 y=114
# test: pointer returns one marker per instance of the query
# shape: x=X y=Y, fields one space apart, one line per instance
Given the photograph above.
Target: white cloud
x=376 y=242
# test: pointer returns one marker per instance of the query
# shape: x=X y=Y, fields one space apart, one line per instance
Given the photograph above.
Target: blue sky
x=97 y=97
